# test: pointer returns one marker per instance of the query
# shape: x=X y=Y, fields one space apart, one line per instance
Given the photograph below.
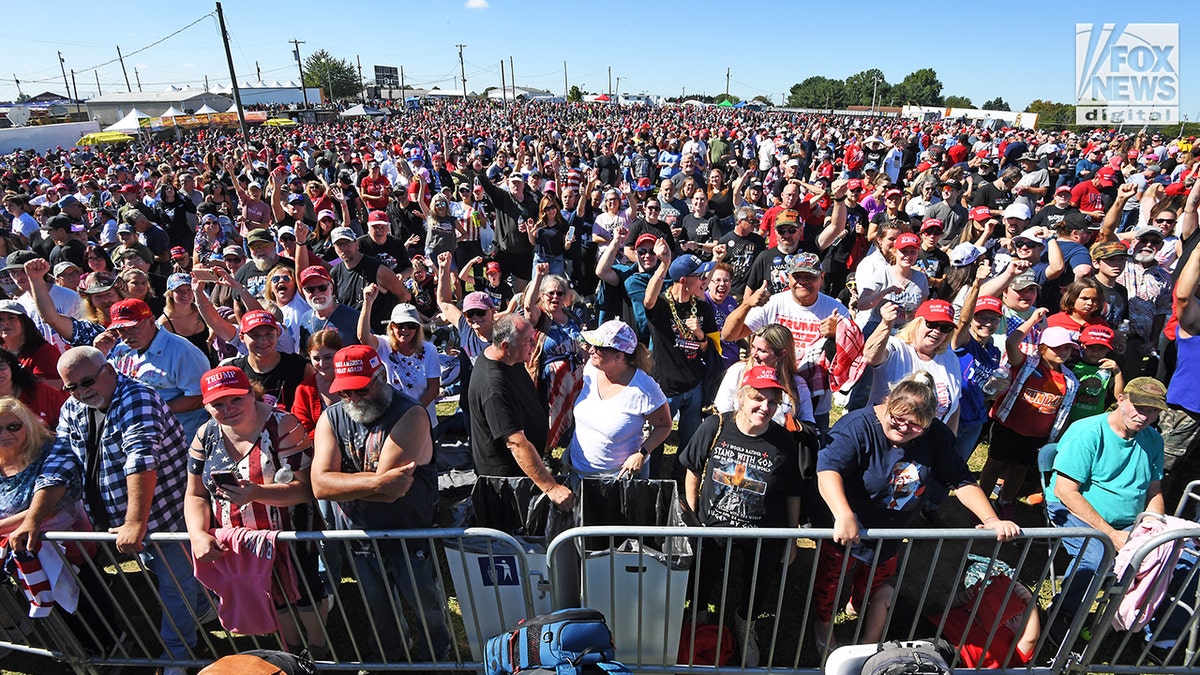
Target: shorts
x=1009 y=446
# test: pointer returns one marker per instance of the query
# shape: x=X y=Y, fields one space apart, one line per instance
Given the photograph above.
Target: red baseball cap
x=129 y=312
x=222 y=382
x=314 y=272
x=1062 y=188
x=178 y=252
x=931 y=223
x=492 y=267
x=989 y=303
x=255 y=318
x=854 y=184
x=761 y=377
x=934 y=311
x=1106 y=176
x=981 y=213
x=1097 y=335
x=646 y=238
x=907 y=240
x=353 y=368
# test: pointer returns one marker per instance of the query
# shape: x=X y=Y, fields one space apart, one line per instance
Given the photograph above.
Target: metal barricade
x=646 y=609
x=380 y=599
x=1170 y=640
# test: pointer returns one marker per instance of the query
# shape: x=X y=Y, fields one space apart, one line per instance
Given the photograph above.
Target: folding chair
x=1045 y=465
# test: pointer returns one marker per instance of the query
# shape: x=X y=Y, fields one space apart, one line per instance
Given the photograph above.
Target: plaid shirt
x=139 y=433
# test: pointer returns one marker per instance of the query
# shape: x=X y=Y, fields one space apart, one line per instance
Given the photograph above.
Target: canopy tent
x=361 y=110
x=128 y=122
x=604 y=98
x=203 y=111
x=725 y=104
x=740 y=104
x=101 y=137
x=172 y=112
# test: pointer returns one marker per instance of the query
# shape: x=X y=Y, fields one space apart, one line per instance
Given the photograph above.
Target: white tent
x=172 y=112
x=361 y=110
x=129 y=122
x=203 y=111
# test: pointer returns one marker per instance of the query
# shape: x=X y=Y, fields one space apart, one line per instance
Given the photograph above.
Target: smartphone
x=225 y=478
x=571 y=233
x=203 y=274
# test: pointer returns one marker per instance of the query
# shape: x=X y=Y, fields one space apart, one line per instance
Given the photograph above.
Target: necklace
x=680 y=327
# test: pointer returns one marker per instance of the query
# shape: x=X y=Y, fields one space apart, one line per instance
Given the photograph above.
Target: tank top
x=1185 y=384
x=361 y=445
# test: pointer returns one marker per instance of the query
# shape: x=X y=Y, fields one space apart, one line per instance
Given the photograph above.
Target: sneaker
x=209 y=615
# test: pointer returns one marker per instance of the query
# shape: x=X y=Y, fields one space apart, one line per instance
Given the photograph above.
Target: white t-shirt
x=410 y=374
x=903 y=360
x=726 y=398
x=608 y=431
x=805 y=325
x=66 y=301
x=916 y=290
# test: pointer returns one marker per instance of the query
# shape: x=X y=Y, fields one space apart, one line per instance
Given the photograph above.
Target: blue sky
x=1026 y=53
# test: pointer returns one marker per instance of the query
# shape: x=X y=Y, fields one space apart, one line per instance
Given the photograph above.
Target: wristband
x=990 y=520
x=645 y=452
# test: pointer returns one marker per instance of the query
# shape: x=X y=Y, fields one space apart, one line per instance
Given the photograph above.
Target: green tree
x=817 y=92
x=721 y=97
x=765 y=100
x=996 y=104
x=958 y=102
x=575 y=93
x=860 y=86
x=1052 y=113
x=920 y=87
x=322 y=70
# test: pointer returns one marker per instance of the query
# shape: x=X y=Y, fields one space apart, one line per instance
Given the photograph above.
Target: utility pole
x=360 y=80
x=610 y=82
x=62 y=64
x=512 y=77
x=258 y=70
x=76 y=92
x=123 y=71
x=503 y=89
x=300 y=64
x=21 y=95
x=237 y=94
x=617 y=100
x=137 y=76
x=402 y=96
x=97 y=74
x=463 y=69
x=206 y=83
x=726 y=82
x=566 y=89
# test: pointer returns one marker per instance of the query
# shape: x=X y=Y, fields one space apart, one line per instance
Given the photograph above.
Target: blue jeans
x=688 y=405
x=171 y=563
x=1086 y=556
x=557 y=263
x=967 y=439
x=415 y=576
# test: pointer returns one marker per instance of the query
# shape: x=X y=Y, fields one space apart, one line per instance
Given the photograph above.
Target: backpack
x=917 y=656
x=563 y=642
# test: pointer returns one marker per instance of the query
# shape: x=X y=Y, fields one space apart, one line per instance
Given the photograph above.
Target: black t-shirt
x=660 y=229
x=747 y=479
x=741 y=252
x=701 y=230
x=770 y=266
x=991 y=196
x=678 y=361
x=255 y=280
x=500 y=295
x=391 y=252
x=503 y=400
x=350 y=283
x=933 y=263
x=279 y=384
x=72 y=251
x=1050 y=216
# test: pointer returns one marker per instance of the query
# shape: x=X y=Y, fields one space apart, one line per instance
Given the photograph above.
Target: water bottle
x=1123 y=327
x=998 y=380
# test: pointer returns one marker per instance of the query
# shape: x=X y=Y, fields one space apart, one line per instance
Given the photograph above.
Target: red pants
x=829 y=570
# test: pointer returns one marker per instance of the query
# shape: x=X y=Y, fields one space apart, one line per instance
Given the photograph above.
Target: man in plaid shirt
x=119 y=439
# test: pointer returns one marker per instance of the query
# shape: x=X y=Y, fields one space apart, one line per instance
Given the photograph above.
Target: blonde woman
x=411 y=362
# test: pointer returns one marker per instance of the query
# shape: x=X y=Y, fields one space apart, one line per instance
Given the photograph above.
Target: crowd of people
x=226 y=336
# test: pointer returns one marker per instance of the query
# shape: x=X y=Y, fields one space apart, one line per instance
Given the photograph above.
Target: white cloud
x=477 y=4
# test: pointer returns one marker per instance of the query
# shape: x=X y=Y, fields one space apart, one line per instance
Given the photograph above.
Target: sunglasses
x=85 y=383
x=786 y=231
x=554 y=294
x=943 y=326
x=321 y=288
x=475 y=313
x=406 y=326
x=279 y=278
x=645 y=251
x=1165 y=221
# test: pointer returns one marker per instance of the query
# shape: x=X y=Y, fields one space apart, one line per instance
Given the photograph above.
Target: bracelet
x=644 y=451
x=990 y=520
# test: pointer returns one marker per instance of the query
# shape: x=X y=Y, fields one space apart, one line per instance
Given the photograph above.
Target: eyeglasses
x=983 y=321
x=85 y=383
x=280 y=278
x=406 y=326
x=320 y=288
x=475 y=313
x=554 y=294
x=13 y=427
x=652 y=207
x=1165 y=221
x=905 y=425
x=787 y=231
x=943 y=326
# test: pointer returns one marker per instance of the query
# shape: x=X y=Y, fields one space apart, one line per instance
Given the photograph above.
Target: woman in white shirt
x=772 y=345
x=617 y=400
x=411 y=362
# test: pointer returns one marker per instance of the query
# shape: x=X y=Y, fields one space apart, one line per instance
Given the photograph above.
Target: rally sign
x=1127 y=73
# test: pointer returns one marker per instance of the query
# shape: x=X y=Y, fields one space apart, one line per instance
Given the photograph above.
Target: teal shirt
x=1114 y=474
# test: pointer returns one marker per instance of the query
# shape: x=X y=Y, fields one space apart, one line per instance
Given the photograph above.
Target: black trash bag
x=635 y=503
x=515 y=506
